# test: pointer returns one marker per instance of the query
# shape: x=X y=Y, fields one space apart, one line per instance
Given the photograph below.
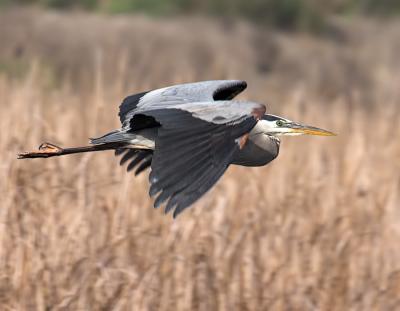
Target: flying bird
x=188 y=135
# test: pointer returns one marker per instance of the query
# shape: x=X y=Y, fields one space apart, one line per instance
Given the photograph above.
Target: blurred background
x=317 y=229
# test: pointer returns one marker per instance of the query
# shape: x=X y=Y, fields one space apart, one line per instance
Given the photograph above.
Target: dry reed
x=318 y=229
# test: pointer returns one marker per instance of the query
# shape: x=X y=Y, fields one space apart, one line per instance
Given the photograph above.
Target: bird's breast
x=259 y=150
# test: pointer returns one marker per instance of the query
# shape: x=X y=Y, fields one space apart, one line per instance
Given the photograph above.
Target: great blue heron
x=189 y=134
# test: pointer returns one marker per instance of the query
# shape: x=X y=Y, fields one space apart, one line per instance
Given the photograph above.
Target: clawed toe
x=49 y=148
x=45 y=150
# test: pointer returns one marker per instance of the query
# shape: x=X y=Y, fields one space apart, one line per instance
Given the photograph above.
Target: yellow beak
x=309 y=130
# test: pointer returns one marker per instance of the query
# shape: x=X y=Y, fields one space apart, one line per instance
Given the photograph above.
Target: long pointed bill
x=308 y=130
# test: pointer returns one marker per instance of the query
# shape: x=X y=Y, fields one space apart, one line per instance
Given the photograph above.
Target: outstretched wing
x=194 y=147
x=133 y=120
x=178 y=94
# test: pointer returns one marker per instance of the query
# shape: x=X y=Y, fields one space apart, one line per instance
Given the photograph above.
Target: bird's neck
x=274 y=139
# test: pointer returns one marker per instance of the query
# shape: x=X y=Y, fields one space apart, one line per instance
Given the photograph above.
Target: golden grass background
x=317 y=229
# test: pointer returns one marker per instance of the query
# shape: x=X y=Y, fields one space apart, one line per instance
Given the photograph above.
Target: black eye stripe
x=269 y=117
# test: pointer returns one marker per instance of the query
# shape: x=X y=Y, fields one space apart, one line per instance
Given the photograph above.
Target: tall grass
x=316 y=229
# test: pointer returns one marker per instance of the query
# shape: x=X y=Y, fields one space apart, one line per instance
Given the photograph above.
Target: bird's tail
x=113 y=137
x=47 y=150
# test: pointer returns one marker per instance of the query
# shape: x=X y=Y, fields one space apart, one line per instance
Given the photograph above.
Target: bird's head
x=275 y=125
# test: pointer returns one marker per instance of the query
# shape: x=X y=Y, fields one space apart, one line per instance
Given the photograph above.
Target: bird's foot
x=49 y=148
x=45 y=150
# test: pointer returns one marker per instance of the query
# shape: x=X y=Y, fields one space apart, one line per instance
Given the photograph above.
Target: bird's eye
x=279 y=123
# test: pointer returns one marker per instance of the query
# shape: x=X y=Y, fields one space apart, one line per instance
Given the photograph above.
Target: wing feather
x=178 y=94
x=138 y=159
x=128 y=155
x=141 y=159
x=193 y=150
x=144 y=164
x=129 y=103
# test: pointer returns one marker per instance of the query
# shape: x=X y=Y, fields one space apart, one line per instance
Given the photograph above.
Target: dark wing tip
x=229 y=90
x=129 y=103
x=139 y=159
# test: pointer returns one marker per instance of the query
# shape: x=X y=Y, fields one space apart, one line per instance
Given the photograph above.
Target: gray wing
x=132 y=120
x=178 y=94
x=195 y=145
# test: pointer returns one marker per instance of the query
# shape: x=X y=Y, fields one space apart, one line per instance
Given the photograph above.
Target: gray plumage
x=196 y=128
x=189 y=134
